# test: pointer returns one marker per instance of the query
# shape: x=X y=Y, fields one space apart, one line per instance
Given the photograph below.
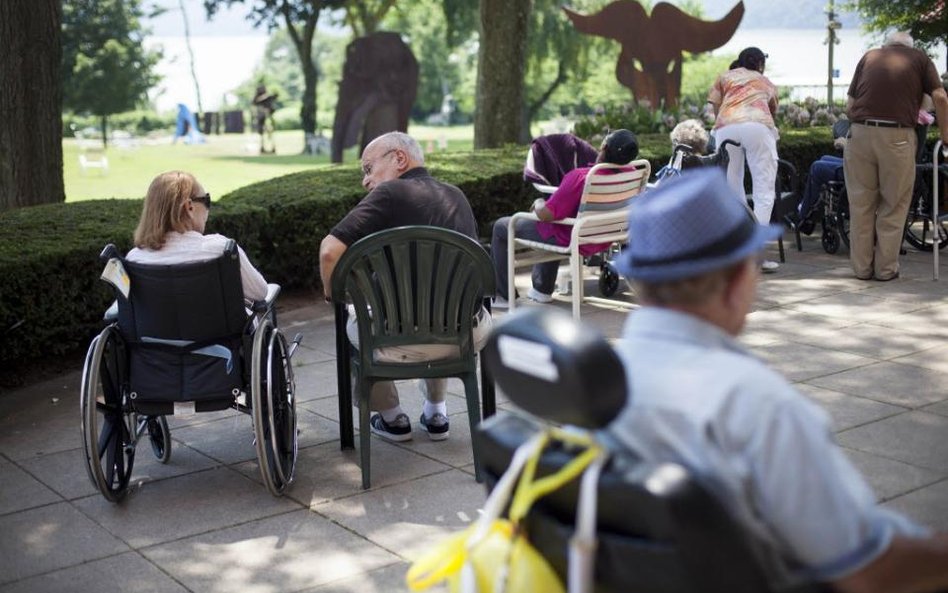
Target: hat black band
x=727 y=244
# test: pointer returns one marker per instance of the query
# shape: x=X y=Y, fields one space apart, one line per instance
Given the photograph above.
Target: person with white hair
x=885 y=95
x=402 y=192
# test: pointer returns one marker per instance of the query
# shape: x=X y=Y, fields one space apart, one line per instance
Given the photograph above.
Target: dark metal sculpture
x=650 y=62
x=379 y=83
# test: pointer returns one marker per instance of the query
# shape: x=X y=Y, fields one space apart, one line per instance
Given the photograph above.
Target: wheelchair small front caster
x=830 y=241
x=608 y=281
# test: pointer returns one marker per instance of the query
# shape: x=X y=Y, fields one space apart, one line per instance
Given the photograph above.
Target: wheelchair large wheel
x=107 y=425
x=919 y=230
x=160 y=437
x=274 y=408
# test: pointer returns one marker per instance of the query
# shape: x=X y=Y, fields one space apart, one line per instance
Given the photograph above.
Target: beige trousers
x=384 y=396
x=879 y=164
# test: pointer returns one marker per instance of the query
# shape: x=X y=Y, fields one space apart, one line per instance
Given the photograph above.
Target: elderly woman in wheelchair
x=193 y=329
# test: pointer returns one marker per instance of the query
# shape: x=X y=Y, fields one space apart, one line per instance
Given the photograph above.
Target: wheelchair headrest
x=556 y=368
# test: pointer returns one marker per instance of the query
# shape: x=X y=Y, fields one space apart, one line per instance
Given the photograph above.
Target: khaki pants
x=879 y=164
x=384 y=396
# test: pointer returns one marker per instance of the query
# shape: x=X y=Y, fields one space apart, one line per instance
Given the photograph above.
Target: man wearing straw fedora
x=698 y=398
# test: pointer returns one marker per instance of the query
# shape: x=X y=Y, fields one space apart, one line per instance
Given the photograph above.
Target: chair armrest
x=273 y=291
x=545 y=189
x=111 y=314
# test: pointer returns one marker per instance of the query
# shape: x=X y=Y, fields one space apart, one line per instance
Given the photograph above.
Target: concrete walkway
x=873 y=354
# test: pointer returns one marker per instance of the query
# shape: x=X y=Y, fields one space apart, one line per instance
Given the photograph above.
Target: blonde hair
x=163 y=210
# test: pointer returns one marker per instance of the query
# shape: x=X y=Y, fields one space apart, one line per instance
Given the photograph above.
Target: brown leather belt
x=880 y=123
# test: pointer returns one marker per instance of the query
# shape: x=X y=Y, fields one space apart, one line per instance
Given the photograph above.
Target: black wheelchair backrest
x=660 y=529
x=556 y=369
x=193 y=301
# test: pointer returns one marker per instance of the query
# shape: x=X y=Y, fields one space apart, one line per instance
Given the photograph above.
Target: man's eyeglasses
x=367 y=167
x=205 y=199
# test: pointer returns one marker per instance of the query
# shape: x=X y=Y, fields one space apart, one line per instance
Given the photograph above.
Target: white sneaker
x=768 y=267
x=535 y=295
x=499 y=303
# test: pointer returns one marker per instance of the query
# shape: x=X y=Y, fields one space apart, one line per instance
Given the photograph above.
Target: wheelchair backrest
x=552 y=156
x=194 y=301
x=660 y=529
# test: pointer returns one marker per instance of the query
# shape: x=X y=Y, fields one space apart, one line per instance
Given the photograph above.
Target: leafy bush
x=642 y=119
x=51 y=300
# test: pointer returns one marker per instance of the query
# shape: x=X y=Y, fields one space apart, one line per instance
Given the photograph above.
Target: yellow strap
x=529 y=490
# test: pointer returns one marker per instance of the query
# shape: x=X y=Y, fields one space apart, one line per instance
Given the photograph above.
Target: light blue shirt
x=696 y=397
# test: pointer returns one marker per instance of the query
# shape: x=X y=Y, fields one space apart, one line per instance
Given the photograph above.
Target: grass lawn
x=222 y=164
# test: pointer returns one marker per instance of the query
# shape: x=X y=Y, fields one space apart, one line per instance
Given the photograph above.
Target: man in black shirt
x=401 y=192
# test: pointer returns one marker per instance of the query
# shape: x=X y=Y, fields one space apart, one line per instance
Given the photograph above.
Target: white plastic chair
x=602 y=218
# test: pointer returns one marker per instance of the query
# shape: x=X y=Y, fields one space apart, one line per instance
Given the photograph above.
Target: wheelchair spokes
x=919 y=230
x=274 y=408
x=107 y=440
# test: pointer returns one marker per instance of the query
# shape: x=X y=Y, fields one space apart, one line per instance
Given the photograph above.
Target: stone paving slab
x=127 y=572
x=288 y=552
x=178 y=507
x=890 y=382
x=43 y=539
x=917 y=438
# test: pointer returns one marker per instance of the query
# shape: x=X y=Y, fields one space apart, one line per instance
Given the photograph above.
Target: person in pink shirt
x=744 y=103
x=620 y=147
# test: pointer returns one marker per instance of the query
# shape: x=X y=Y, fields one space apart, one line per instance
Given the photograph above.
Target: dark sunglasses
x=205 y=199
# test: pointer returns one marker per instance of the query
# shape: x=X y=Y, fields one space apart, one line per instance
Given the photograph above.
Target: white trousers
x=759 y=144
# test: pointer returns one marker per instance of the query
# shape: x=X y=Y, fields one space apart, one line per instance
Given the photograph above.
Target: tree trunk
x=105 y=131
x=303 y=41
x=31 y=136
x=500 y=69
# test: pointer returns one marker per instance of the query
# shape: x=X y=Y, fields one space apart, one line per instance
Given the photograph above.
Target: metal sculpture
x=650 y=62
x=379 y=83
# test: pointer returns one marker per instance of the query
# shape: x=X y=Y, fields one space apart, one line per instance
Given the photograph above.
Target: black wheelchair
x=919 y=231
x=659 y=528
x=179 y=339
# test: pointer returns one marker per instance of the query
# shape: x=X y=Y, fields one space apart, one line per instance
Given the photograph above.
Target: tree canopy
x=105 y=67
x=299 y=17
x=926 y=20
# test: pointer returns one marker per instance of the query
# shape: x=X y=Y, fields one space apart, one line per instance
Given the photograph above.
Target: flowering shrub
x=641 y=119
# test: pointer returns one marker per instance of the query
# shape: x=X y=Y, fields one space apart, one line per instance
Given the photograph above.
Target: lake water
x=797 y=57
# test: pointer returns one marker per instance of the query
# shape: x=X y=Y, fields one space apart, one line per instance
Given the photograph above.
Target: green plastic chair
x=409 y=285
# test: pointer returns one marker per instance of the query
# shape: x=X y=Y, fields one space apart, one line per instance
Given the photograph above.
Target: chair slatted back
x=609 y=187
x=414 y=285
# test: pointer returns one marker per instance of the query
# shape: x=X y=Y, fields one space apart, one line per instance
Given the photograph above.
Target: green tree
x=300 y=18
x=105 y=67
x=926 y=20
x=31 y=135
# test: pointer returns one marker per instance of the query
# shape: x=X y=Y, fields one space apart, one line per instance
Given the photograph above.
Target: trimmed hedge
x=51 y=300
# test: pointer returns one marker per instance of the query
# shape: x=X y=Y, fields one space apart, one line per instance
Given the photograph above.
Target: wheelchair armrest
x=273 y=291
x=111 y=314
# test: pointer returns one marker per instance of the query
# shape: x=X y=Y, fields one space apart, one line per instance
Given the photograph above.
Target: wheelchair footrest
x=168 y=408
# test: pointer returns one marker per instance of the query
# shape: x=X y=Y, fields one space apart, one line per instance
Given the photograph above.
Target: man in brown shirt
x=879 y=162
